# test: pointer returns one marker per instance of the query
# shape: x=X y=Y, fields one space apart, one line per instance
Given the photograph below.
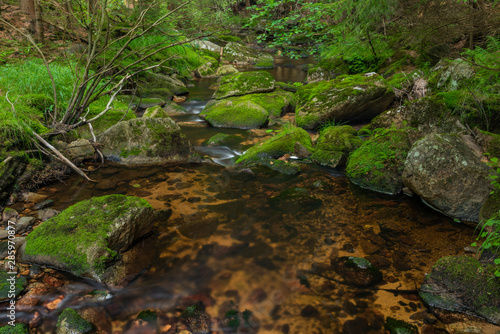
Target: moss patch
x=17 y=329
x=68 y=237
x=155 y=112
x=235 y=114
x=71 y=322
x=378 y=164
x=395 y=326
x=19 y=284
x=244 y=83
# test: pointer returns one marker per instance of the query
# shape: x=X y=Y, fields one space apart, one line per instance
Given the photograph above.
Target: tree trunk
x=38 y=23
x=28 y=8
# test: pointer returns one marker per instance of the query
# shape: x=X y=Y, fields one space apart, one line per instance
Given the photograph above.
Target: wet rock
x=395 y=326
x=244 y=83
x=10 y=170
x=42 y=205
x=463 y=284
x=4 y=246
x=239 y=53
x=44 y=215
x=424 y=116
x=80 y=149
x=106 y=184
x=225 y=70
x=283 y=167
x=146 y=141
x=31 y=197
x=197 y=226
x=378 y=164
x=357 y=271
x=348 y=98
x=88 y=236
x=24 y=224
x=357 y=325
x=448 y=175
x=196 y=319
x=155 y=112
x=9 y=214
x=35 y=293
x=10 y=284
x=70 y=322
x=334 y=145
x=98 y=317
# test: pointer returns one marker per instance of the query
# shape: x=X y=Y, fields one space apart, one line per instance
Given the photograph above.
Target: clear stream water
x=234 y=243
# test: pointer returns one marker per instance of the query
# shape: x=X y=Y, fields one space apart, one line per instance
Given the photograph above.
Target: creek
x=263 y=242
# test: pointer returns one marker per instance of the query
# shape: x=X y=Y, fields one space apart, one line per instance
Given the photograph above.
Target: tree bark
x=38 y=23
x=28 y=8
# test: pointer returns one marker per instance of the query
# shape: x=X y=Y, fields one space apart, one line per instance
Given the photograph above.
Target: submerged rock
x=244 y=83
x=346 y=98
x=378 y=164
x=448 y=175
x=357 y=271
x=463 y=284
x=88 y=237
x=334 y=144
x=395 y=326
x=70 y=322
x=146 y=141
x=277 y=146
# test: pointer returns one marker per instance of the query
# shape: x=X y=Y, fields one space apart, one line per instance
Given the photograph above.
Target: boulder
x=239 y=114
x=87 y=238
x=447 y=75
x=239 y=53
x=244 y=83
x=346 y=98
x=161 y=86
x=207 y=70
x=207 y=45
x=70 y=322
x=378 y=164
x=155 y=112
x=424 y=116
x=327 y=69
x=80 y=149
x=225 y=70
x=334 y=145
x=463 y=284
x=146 y=141
x=10 y=170
x=446 y=171
x=277 y=146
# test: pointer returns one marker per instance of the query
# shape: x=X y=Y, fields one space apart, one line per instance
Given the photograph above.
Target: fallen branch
x=62 y=157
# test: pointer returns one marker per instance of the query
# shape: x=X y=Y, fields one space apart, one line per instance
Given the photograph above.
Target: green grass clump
x=17 y=329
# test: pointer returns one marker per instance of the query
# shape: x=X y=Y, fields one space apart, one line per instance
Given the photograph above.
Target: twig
x=11 y=104
x=62 y=157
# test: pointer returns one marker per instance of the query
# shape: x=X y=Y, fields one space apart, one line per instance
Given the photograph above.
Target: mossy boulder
x=225 y=70
x=334 y=145
x=146 y=141
x=172 y=108
x=424 y=116
x=207 y=70
x=70 y=322
x=18 y=284
x=446 y=171
x=277 y=146
x=327 y=69
x=463 y=284
x=244 y=83
x=40 y=102
x=239 y=114
x=10 y=170
x=357 y=271
x=347 y=98
x=155 y=112
x=88 y=237
x=448 y=74
x=239 y=53
x=160 y=85
x=378 y=164
x=16 y=329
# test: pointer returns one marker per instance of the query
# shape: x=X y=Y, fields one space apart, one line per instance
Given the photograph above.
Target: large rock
x=334 y=145
x=346 y=98
x=207 y=45
x=239 y=114
x=424 y=116
x=70 y=322
x=162 y=86
x=446 y=171
x=277 y=146
x=448 y=75
x=10 y=170
x=80 y=149
x=146 y=141
x=244 y=83
x=248 y=111
x=225 y=70
x=239 y=53
x=88 y=237
x=463 y=284
x=378 y=164
x=207 y=70
x=327 y=69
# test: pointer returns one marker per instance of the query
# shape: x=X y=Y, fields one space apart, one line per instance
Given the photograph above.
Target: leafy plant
x=491 y=234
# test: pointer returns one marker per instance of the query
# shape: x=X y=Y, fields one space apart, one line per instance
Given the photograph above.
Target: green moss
x=395 y=326
x=242 y=114
x=334 y=144
x=40 y=102
x=19 y=284
x=156 y=112
x=66 y=236
x=281 y=166
x=277 y=146
x=378 y=164
x=264 y=64
x=327 y=158
x=224 y=139
x=16 y=329
x=228 y=38
x=71 y=322
x=149 y=316
x=244 y=83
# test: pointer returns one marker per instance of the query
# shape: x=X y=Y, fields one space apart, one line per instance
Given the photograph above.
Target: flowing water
x=263 y=242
